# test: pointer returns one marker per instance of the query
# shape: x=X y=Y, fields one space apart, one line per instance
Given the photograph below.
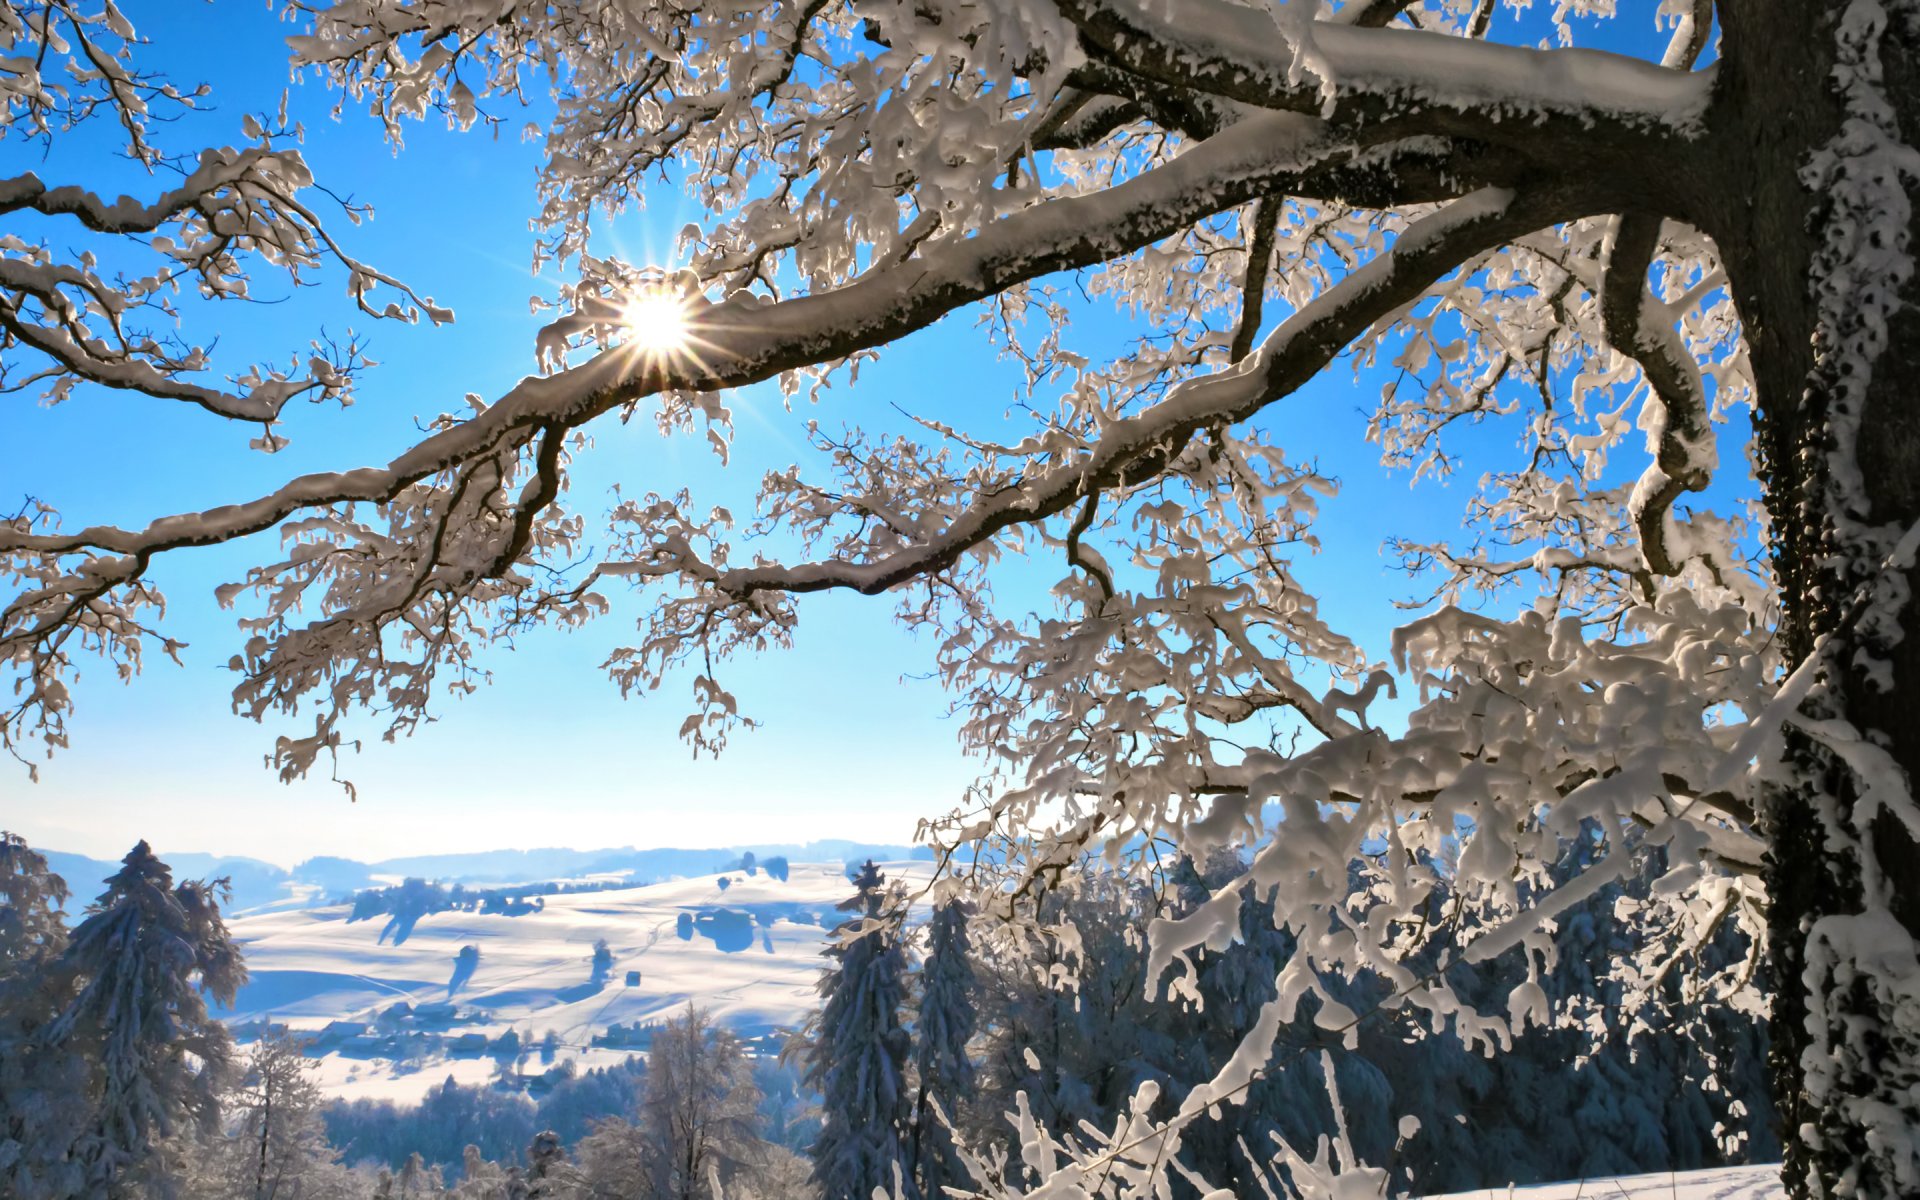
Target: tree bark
x=1844 y=871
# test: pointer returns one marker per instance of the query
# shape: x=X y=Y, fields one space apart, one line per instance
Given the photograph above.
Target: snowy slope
x=1722 y=1183
x=749 y=952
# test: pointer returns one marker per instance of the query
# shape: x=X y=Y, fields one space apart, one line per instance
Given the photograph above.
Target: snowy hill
x=396 y=1014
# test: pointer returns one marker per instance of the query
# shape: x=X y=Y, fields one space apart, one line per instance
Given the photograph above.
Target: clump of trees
x=1067 y=1027
x=927 y=1036
x=116 y=1081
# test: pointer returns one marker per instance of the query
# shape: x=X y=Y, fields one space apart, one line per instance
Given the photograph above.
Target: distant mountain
x=259 y=886
x=526 y=866
x=255 y=883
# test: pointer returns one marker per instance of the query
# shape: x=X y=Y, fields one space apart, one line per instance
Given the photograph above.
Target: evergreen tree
x=860 y=1050
x=134 y=978
x=31 y=895
x=42 y=1093
x=943 y=1074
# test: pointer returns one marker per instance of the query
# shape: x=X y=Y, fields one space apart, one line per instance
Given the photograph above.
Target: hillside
x=394 y=1016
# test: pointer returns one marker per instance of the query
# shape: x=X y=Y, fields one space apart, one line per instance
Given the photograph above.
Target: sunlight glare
x=657 y=323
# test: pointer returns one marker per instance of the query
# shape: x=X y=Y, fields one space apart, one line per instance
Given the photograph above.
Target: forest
x=928 y=1033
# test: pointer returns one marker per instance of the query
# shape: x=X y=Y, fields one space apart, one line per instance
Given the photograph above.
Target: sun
x=657 y=323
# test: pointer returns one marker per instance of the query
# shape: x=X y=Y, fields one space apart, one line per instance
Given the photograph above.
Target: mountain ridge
x=258 y=885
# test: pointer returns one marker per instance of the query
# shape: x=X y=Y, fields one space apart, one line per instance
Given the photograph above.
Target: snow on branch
x=1350 y=73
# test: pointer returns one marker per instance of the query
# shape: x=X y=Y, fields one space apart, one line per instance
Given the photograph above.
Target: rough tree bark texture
x=1846 y=1048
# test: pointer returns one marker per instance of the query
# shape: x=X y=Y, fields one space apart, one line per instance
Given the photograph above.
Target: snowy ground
x=1724 y=1183
x=749 y=952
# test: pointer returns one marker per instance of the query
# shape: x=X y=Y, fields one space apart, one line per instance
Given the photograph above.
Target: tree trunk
x=1817 y=103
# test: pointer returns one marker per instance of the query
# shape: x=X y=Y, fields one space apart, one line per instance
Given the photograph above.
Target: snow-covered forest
x=922 y=1041
x=1634 y=278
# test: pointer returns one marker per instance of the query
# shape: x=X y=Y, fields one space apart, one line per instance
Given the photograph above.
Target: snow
x=750 y=954
x=1759 y=1182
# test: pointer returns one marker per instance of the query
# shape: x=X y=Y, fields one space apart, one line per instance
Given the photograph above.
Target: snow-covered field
x=1722 y=1183
x=748 y=951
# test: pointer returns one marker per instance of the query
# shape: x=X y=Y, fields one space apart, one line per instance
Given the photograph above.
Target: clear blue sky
x=549 y=755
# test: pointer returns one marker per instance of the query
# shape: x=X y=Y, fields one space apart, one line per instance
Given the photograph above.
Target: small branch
x=1079 y=559
x=1253 y=290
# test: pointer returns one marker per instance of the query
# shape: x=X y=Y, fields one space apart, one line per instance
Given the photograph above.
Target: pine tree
x=860 y=1051
x=31 y=895
x=42 y=1093
x=943 y=1073
x=139 y=965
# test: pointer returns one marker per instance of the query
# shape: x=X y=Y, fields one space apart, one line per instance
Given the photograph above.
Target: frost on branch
x=99 y=293
x=102 y=313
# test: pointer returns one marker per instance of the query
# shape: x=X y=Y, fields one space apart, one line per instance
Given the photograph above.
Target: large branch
x=128 y=215
x=744 y=344
x=1131 y=449
x=1549 y=100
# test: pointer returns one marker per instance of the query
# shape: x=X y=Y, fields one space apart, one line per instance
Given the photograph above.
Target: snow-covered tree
x=1611 y=230
x=136 y=976
x=549 y=1176
x=31 y=898
x=616 y=1161
x=698 y=1111
x=276 y=1143
x=943 y=1075
x=858 y=1051
x=42 y=1090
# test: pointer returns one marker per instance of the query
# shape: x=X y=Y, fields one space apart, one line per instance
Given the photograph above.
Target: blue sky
x=851 y=746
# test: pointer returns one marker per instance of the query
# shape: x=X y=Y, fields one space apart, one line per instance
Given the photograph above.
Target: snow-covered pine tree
x=31 y=896
x=42 y=1091
x=859 y=1049
x=943 y=1074
x=141 y=965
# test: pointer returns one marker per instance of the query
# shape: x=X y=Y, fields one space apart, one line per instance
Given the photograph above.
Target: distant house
x=395 y=1017
x=637 y=1036
x=339 y=1031
x=633 y=979
x=436 y=1014
x=468 y=1045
